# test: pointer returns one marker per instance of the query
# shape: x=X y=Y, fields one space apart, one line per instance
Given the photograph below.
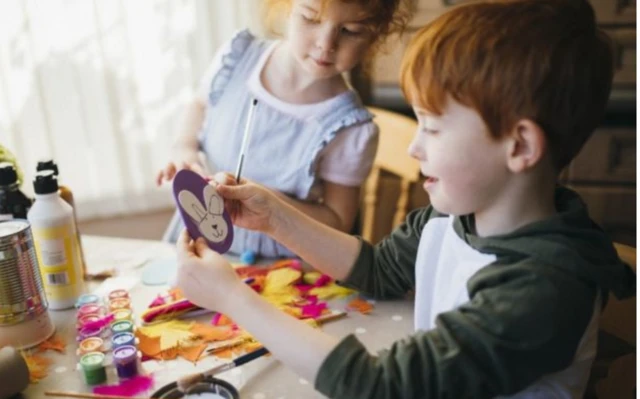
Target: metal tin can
x=22 y=296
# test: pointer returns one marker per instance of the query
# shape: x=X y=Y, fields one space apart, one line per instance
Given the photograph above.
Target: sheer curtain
x=99 y=86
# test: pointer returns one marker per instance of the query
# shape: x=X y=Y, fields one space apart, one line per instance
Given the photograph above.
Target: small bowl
x=208 y=385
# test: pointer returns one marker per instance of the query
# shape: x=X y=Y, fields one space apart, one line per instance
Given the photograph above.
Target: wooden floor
x=148 y=226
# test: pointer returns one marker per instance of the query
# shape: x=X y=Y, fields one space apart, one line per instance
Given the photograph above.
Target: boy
x=509 y=272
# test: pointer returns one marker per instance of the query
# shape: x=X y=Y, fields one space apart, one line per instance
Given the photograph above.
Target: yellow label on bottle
x=59 y=260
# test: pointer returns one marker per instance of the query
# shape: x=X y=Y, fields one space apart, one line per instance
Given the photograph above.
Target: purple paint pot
x=125 y=359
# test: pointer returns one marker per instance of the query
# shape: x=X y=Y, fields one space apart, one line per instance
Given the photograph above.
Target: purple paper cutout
x=186 y=180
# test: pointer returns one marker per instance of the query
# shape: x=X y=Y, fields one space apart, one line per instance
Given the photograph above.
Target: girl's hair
x=542 y=60
x=386 y=17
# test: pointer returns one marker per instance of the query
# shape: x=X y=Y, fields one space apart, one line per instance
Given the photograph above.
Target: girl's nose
x=327 y=40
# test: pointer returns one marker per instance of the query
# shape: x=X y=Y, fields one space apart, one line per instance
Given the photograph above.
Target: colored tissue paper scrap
x=126 y=388
x=360 y=305
x=38 y=366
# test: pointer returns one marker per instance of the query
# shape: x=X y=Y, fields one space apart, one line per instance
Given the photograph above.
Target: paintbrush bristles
x=185 y=382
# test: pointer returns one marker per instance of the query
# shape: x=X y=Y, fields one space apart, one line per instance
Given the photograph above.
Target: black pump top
x=47 y=164
x=45 y=182
x=8 y=175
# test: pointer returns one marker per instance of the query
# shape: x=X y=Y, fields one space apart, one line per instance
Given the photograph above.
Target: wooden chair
x=613 y=375
x=396 y=133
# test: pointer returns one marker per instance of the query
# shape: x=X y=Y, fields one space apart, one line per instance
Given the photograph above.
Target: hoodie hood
x=569 y=240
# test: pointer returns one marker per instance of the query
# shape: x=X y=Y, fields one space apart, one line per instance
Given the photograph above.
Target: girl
x=313 y=142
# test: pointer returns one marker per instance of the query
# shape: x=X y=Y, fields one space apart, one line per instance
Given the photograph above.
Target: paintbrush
x=88 y=395
x=245 y=139
x=185 y=382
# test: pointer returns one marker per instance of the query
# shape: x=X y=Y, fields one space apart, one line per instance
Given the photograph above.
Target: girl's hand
x=168 y=173
x=250 y=205
x=206 y=277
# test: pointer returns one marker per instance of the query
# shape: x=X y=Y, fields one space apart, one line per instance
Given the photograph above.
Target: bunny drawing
x=210 y=220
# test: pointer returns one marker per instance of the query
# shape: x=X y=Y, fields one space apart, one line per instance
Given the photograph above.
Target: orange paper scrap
x=360 y=305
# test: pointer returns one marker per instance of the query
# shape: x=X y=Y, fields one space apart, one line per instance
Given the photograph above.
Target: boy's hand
x=252 y=206
x=168 y=173
x=205 y=276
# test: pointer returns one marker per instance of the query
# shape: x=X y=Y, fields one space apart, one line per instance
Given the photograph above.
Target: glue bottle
x=67 y=196
x=55 y=238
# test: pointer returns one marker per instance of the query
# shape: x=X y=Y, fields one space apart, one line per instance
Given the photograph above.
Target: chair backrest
x=396 y=133
x=613 y=375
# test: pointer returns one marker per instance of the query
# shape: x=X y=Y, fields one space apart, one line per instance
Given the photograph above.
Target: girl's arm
x=338 y=208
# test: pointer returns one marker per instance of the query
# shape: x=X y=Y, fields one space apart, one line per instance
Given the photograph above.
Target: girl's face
x=328 y=43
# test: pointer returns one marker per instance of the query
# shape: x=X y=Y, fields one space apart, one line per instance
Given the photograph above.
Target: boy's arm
x=386 y=270
x=523 y=322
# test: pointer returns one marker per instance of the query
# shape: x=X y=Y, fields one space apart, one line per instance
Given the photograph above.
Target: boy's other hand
x=169 y=172
x=205 y=276
x=250 y=205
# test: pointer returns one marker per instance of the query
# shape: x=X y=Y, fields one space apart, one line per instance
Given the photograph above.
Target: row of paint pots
x=106 y=337
x=126 y=360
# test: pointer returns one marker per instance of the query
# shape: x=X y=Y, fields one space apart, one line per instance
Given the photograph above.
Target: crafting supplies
x=93 y=344
x=56 y=243
x=14 y=372
x=92 y=366
x=87 y=299
x=202 y=210
x=123 y=339
x=122 y=326
x=67 y=196
x=117 y=294
x=90 y=309
x=123 y=314
x=188 y=381
x=88 y=332
x=119 y=303
x=125 y=359
x=87 y=319
x=24 y=320
x=209 y=386
x=14 y=204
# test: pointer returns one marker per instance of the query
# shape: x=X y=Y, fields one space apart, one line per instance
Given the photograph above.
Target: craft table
x=264 y=378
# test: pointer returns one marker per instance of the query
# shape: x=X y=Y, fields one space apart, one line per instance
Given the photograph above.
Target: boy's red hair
x=542 y=60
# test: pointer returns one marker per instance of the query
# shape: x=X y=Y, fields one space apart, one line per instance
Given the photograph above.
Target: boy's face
x=465 y=168
x=328 y=43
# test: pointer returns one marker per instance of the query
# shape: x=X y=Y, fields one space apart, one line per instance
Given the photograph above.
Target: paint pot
x=119 y=303
x=122 y=314
x=93 y=344
x=90 y=308
x=123 y=339
x=84 y=333
x=86 y=319
x=209 y=388
x=117 y=294
x=125 y=359
x=92 y=366
x=122 y=326
x=87 y=299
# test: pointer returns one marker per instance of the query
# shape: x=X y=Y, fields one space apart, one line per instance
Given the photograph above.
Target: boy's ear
x=527 y=146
